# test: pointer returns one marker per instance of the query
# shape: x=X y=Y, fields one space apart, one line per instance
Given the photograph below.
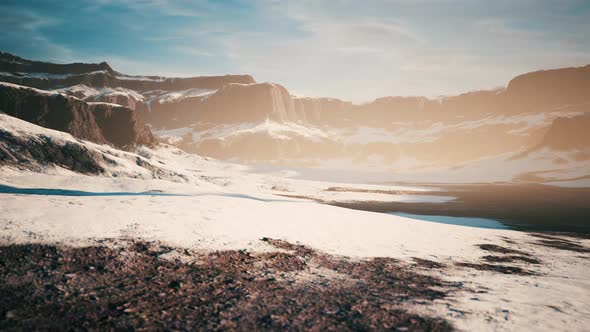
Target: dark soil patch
x=549 y=236
x=556 y=241
x=373 y=191
x=130 y=287
x=301 y=197
x=298 y=249
x=501 y=250
x=568 y=237
x=504 y=269
x=426 y=263
x=510 y=258
x=283 y=262
x=584 y=236
x=562 y=245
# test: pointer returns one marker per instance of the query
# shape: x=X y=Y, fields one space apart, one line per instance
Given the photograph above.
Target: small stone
x=175 y=284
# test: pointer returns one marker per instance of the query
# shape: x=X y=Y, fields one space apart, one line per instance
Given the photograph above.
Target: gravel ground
x=145 y=285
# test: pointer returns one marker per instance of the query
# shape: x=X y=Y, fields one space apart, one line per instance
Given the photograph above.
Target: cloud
x=340 y=48
x=21 y=32
x=362 y=50
x=179 y=8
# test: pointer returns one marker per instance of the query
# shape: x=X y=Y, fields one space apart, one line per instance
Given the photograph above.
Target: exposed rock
x=26 y=146
x=547 y=89
x=248 y=103
x=13 y=63
x=47 y=75
x=568 y=133
x=38 y=152
x=321 y=110
x=99 y=123
x=447 y=131
x=50 y=110
x=120 y=126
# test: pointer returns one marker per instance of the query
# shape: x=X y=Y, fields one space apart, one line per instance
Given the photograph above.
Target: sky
x=349 y=49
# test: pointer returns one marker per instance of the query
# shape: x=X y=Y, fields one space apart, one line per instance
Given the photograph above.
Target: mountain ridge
x=236 y=117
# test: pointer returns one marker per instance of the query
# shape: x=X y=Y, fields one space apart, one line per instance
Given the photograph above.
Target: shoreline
x=531 y=207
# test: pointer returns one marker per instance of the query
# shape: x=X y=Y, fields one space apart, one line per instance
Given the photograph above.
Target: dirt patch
x=129 y=286
x=561 y=235
x=504 y=269
x=562 y=245
x=556 y=241
x=426 y=263
x=372 y=191
x=283 y=262
x=301 y=197
x=299 y=249
x=501 y=250
x=278 y=188
x=510 y=258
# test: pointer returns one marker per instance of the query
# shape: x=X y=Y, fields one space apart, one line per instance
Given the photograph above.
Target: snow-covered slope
x=220 y=206
x=25 y=146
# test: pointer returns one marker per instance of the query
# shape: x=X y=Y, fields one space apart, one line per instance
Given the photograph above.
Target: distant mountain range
x=234 y=117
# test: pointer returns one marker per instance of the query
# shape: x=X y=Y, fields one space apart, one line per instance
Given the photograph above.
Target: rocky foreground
x=146 y=285
x=130 y=284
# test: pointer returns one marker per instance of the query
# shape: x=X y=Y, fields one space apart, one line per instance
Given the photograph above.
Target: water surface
x=461 y=221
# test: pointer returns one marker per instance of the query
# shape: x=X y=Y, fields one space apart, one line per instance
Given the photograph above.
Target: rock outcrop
x=50 y=110
x=248 y=103
x=45 y=75
x=568 y=134
x=233 y=116
x=99 y=123
x=12 y=63
x=548 y=89
x=121 y=126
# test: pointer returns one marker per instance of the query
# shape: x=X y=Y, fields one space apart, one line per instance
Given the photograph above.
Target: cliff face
x=237 y=103
x=248 y=103
x=232 y=116
x=568 y=134
x=120 y=126
x=99 y=123
x=322 y=110
x=548 y=89
x=172 y=84
x=45 y=75
x=236 y=98
x=13 y=63
x=50 y=110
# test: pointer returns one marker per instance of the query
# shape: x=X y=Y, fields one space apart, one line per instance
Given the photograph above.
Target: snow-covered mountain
x=82 y=177
x=234 y=117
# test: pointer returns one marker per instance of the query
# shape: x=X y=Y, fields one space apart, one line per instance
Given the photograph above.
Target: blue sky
x=355 y=50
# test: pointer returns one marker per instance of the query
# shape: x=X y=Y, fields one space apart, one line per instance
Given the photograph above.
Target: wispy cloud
x=21 y=30
x=182 y=8
x=363 y=50
x=346 y=48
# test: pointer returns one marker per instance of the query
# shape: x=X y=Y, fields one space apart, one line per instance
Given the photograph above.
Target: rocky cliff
x=568 y=133
x=50 y=110
x=120 y=126
x=45 y=75
x=99 y=123
x=233 y=116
